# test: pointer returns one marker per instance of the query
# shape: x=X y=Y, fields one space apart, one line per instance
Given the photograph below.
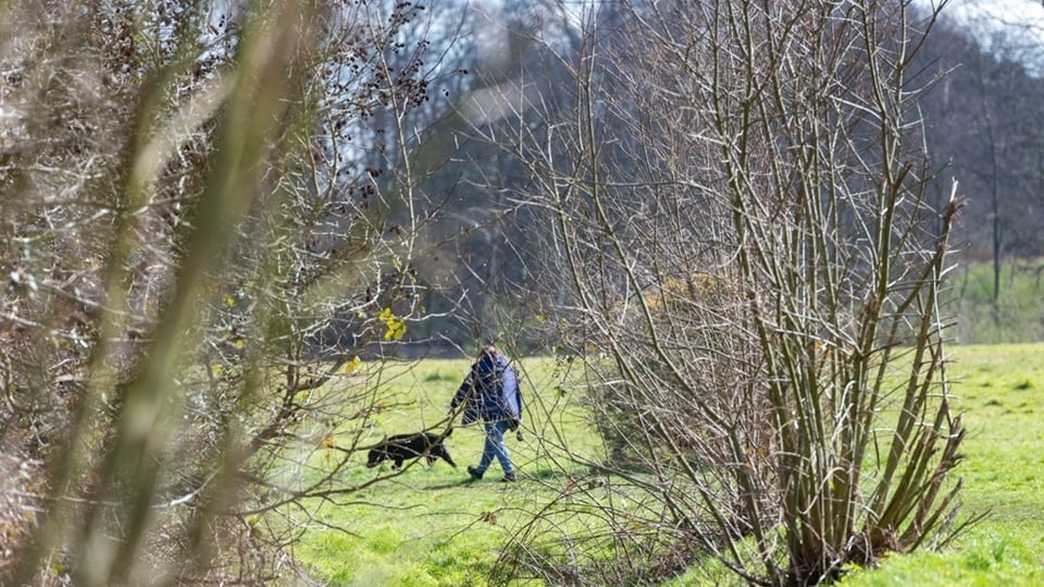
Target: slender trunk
x=995 y=207
x=996 y=246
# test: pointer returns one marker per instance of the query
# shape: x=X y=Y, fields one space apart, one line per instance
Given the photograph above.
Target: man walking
x=491 y=393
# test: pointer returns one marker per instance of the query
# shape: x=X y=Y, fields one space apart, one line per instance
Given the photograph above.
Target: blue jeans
x=495 y=446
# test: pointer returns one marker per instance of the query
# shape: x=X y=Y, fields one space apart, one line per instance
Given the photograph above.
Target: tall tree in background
x=982 y=121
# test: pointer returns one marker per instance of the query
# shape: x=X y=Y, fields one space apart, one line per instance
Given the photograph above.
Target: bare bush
x=735 y=195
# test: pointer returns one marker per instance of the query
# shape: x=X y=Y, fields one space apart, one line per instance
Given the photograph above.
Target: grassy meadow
x=429 y=526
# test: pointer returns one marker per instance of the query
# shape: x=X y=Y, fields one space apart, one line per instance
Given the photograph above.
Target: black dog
x=410 y=446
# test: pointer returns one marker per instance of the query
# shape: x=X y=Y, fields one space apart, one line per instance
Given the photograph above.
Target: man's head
x=487 y=348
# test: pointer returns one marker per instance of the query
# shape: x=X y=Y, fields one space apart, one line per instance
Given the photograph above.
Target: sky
x=1019 y=23
x=1011 y=12
x=1022 y=17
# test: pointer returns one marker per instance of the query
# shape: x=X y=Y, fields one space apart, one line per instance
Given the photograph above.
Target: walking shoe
x=474 y=473
x=508 y=478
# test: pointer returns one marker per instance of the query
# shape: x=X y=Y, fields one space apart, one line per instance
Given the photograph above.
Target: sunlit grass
x=427 y=527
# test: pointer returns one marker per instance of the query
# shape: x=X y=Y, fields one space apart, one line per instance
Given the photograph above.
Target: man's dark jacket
x=491 y=391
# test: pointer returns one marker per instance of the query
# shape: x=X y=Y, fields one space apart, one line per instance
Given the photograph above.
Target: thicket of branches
x=187 y=229
x=737 y=199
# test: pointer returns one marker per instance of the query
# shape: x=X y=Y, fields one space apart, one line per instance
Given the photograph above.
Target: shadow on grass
x=461 y=483
x=542 y=474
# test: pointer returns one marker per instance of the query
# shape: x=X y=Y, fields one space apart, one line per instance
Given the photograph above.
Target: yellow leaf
x=351 y=366
x=230 y=300
x=328 y=441
x=239 y=343
x=394 y=327
x=396 y=330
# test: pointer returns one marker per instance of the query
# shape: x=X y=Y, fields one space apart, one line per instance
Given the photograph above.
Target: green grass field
x=429 y=527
